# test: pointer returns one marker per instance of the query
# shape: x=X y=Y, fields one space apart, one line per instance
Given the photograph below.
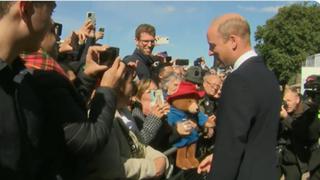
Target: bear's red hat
x=186 y=89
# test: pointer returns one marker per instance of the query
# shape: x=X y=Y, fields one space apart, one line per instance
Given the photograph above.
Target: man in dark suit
x=248 y=114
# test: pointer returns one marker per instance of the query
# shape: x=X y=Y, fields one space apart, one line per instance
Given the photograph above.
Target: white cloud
x=248 y=9
x=271 y=9
x=169 y=9
x=268 y=9
x=173 y=9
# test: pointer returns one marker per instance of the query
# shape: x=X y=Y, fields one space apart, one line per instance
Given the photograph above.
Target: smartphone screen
x=58 y=28
x=91 y=16
x=156 y=97
x=101 y=29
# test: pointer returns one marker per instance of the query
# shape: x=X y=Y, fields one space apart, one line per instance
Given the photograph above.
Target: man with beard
x=145 y=42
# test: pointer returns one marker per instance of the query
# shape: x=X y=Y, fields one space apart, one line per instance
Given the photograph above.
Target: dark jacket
x=300 y=131
x=85 y=134
x=247 y=124
x=47 y=118
x=32 y=146
x=144 y=64
x=85 y=85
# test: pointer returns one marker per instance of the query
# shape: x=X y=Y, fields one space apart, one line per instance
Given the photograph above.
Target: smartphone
x=156 y=97
x=159 y=96
x=107 y=57
x=74 y=41
x=91 y=16
x=182 y=62
x=162 y=40
x=169 y=58
x=101 y=29
x=58 y=28
x=285 y=104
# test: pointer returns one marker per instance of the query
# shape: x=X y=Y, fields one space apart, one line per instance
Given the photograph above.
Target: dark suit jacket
x=247 y=124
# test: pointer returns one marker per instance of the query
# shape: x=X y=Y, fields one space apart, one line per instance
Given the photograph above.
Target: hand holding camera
x=99 y=34
x=92 y=66
x=283 y=112
x=160 y=110
x=158 y=104
x=108 y=56
x=91 y=16
x=85 y=30
x=112 y=76
x=65 y=46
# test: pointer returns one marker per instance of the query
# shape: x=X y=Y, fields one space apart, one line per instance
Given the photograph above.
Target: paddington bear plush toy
x=184 y=106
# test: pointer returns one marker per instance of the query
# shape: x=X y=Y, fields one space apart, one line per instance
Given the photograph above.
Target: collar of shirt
x=125 y=116
x=146 y=59
x=244 y=57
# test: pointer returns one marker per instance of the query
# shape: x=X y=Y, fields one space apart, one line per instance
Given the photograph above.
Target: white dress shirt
x=244 y=57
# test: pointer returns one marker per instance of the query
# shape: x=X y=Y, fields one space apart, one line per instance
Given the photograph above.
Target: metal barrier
x=183 y=174
x=170 y=151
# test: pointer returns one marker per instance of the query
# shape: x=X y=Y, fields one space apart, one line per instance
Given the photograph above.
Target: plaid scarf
x=41 y=60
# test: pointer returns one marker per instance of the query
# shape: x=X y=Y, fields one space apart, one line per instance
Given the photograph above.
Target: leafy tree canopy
x=289 y=37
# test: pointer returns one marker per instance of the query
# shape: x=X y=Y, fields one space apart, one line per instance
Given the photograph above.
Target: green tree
x=288 y=38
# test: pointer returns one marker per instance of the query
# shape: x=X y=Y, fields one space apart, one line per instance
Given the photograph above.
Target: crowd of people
x=69 y=112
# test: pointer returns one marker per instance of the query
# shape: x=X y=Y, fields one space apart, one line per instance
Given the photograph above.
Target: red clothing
x=42 y=60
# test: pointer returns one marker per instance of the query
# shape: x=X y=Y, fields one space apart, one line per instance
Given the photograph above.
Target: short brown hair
x=4 y=7
x=236 y=26
x=145 y=28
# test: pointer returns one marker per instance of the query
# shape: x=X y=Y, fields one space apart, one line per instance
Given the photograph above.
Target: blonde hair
x=294 y=90
x=142 y=87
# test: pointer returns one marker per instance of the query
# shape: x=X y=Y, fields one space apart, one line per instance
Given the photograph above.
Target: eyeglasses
x=145 y=42
x=213 y=85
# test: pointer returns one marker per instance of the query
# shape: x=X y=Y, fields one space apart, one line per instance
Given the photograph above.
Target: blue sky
x=185 y=23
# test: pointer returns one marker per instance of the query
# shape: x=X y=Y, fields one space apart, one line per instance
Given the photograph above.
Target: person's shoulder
x=51 y=78
x=236 y=79
x=252 y=62
x=253 y=67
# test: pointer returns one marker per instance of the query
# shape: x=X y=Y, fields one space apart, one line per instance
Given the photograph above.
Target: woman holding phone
x=150 y=116
x=149 y=111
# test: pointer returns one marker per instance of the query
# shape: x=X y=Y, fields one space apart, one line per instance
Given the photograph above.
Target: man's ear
x=137 y=41
x=234 y=41
x=25 y=9
x=298 y=100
